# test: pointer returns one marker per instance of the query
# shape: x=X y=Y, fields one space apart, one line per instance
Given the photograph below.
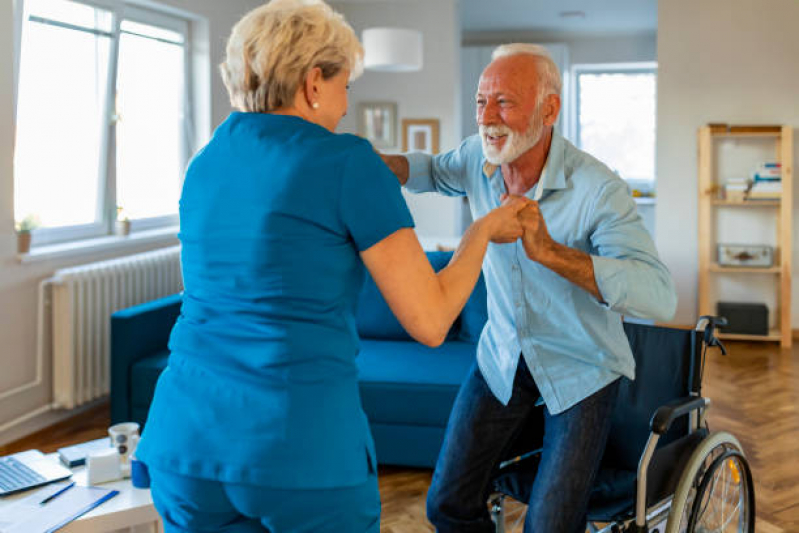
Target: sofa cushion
x=408 y=383
x=143 y=377
x=474 y=314
x=375 y=319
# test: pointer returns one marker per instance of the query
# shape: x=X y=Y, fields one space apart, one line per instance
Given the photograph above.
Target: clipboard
x=29 y=515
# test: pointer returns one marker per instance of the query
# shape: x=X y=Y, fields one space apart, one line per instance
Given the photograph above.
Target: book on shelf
x=765 y=190
x=767 y=172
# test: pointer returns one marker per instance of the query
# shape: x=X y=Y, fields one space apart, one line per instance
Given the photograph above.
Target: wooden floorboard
x=754 y=393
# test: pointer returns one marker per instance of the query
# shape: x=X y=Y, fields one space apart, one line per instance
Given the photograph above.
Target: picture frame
x=377 y=123
x=420 y=135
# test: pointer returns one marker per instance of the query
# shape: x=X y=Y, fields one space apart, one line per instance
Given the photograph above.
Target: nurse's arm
x=426 y=303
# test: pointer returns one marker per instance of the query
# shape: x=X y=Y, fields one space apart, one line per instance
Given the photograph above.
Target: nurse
x=256 y=424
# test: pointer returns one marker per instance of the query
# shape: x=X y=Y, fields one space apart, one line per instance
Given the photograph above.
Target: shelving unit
x=709 y=205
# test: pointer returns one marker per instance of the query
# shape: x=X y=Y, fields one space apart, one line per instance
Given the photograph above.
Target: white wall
x=19 y=282
x=434 y=92
x=730 y=61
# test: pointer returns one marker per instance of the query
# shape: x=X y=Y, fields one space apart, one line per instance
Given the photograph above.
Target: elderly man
x=555 y=299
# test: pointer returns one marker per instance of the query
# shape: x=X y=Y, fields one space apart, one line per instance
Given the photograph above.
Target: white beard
x=516 y=143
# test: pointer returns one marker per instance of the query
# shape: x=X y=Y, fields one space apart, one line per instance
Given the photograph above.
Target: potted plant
x=24 y=229
x=123 y=222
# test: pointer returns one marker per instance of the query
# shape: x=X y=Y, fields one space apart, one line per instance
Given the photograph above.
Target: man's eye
x=481 y=102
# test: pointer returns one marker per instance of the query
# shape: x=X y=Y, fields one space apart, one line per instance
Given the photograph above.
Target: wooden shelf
x=709 y=269
x=715 y=267
x=771 y=134
x=773 y=336
x=748 y=203
x=745 y=130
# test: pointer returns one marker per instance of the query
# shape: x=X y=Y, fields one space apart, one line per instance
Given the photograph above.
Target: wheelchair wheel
x=715 y=493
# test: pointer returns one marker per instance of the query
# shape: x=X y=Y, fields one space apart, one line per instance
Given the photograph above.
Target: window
x=615 y=118
x=101 y=120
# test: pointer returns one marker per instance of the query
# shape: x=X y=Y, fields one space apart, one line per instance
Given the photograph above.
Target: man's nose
x=488 y=114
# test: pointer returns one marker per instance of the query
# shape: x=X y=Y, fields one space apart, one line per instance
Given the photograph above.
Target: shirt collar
x=553 y=175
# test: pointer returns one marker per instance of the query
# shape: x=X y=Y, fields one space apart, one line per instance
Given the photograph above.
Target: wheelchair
x=667 y=474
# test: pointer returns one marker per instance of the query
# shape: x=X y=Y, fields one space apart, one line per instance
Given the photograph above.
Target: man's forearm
x=398 y=164
x=574 y=265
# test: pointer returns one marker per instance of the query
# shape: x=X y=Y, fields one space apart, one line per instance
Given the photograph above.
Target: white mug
x=125 y=438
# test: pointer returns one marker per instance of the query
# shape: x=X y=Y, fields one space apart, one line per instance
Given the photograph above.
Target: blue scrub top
x=261 y=386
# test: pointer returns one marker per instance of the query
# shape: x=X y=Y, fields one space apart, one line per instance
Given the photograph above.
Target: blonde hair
x=549 y=76
x=273 y=47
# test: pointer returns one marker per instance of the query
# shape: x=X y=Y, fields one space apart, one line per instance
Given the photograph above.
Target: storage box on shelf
x=770 y=191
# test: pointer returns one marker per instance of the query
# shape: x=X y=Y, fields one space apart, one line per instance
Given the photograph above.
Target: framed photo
x=377 y=122
x=420 y=135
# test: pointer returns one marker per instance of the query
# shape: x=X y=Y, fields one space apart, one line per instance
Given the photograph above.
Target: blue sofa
x=407 y=389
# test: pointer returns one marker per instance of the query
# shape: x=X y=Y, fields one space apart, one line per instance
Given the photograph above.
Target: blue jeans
x=479 y=436
x=188 y=504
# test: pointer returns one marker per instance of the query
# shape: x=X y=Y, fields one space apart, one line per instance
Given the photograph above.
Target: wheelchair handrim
x=697 y=461
x=734 y=463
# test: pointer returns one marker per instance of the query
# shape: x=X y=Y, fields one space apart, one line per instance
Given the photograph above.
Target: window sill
x=100 y=244
x=646 y=200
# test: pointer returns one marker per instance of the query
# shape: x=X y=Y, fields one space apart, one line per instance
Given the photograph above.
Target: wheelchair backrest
x=664 y=358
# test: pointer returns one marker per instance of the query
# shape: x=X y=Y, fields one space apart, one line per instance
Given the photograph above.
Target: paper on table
x=29 y=516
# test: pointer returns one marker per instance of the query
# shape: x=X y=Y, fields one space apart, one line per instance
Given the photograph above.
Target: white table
x=131 y=510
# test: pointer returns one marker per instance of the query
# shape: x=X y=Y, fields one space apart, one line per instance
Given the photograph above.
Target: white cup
x=125 y=438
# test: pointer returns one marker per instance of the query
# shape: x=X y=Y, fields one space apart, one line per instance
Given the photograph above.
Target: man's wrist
x=548 y=252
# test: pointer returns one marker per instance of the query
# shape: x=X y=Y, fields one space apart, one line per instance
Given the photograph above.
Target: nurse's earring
x=315 y=105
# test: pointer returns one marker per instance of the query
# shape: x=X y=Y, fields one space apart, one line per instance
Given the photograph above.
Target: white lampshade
x=392 y=50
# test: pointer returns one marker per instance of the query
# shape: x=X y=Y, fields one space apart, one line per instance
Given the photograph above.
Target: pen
x=57 y=493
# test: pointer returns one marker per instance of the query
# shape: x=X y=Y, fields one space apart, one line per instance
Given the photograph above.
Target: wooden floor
x=755 y=395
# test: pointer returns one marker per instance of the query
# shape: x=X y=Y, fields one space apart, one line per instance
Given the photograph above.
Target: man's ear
x=313 y=86
x=551 y=109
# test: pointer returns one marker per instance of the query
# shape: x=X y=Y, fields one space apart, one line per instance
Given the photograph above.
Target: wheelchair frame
x=673 y=508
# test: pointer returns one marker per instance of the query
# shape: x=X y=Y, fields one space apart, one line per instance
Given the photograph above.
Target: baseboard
x=40 y=419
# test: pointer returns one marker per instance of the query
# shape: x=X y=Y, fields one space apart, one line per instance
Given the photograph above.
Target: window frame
x=638 y=67
x=121 y=10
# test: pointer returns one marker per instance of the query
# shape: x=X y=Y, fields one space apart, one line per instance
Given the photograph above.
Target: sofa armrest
x=136 y=333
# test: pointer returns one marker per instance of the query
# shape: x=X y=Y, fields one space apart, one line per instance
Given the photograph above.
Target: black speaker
x=744 y=318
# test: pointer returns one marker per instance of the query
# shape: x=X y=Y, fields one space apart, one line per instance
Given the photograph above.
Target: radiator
x=82 y=301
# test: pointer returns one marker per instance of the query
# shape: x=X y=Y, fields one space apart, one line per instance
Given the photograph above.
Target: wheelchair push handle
x=709 y=337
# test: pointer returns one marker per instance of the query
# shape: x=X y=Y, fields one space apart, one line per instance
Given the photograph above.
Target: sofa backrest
x=376 y=321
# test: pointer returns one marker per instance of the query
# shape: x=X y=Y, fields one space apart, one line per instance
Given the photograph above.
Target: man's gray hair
x=548 y=72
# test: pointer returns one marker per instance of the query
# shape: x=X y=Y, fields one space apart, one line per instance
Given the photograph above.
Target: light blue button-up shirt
x=573 y=344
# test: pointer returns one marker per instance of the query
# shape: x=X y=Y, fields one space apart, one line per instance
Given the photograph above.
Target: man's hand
x=574 y=265
x=503 y=223
x=536 y=239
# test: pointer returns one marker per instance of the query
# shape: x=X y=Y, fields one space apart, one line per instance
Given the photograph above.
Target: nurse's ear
x=312 y=88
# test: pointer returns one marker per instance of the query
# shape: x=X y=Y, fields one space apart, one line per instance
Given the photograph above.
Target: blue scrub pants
x=188 y=504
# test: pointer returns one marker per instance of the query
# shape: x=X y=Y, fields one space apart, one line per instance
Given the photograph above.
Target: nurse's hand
x=503 y=224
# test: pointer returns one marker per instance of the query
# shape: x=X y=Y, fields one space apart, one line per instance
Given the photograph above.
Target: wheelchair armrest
x=665 y=415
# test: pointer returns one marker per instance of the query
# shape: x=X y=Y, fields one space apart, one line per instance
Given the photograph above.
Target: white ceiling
x=601 y=16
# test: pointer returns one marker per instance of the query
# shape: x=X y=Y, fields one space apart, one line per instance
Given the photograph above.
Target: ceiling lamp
x=392 y=50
